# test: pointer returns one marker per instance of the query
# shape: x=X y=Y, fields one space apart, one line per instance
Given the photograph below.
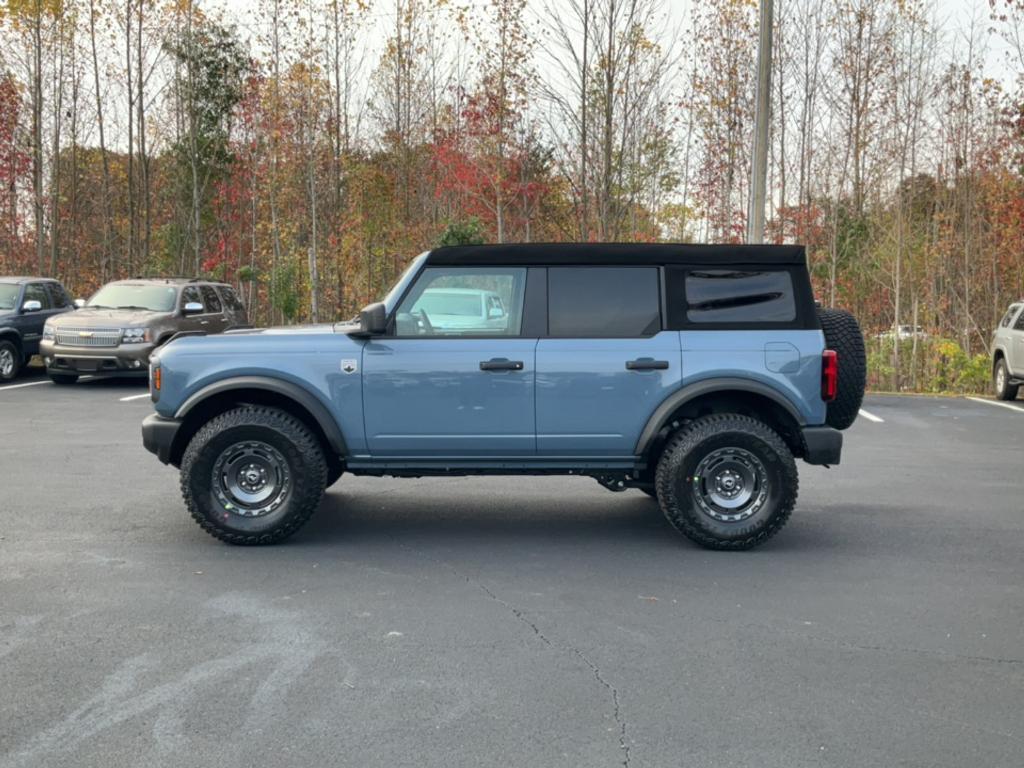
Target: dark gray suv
x=115 y=332
x=26 y=303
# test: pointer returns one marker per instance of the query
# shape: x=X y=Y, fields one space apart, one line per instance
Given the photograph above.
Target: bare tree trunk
x=108 y=265
x=132 y=240
x=584 y=70
x=55 y=171
x=143 y=156
x=37 y=131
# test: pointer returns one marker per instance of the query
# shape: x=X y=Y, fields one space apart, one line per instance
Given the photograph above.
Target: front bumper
x=158 y=433
x=123 y=360
x=823 y=445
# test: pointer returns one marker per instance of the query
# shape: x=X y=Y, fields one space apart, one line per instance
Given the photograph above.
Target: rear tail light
x=829 y=375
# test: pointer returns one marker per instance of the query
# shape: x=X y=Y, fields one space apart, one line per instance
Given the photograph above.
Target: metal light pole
x=759 y=163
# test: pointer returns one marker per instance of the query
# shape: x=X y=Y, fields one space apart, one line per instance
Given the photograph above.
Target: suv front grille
x=89 y=337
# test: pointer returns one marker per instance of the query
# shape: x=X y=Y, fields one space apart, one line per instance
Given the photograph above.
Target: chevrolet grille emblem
x=85 y=334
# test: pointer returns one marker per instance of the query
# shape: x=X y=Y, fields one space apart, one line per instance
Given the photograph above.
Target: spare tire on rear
x=842 y=333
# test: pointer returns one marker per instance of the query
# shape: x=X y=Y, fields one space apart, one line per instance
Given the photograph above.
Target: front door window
x=456 y=301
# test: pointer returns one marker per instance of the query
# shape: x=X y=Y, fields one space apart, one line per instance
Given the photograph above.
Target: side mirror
x=193 y=308
x=31 y=306
x=79 y=303
x=495 y=313
x=373 y=320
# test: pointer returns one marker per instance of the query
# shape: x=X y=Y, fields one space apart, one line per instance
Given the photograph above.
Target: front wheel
x=1001 y=380
x=727 y=481
x=253 y=475
x=10 y=361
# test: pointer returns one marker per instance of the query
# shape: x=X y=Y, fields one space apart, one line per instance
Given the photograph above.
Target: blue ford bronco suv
x=694 y=373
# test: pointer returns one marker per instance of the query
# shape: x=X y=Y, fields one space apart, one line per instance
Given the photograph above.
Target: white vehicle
x=1008 y=353
x=459 y=308
x=903 y=333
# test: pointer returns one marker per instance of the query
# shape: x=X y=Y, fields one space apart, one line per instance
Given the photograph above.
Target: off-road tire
x=296 y=444
x=63 y=379
x=10 y=353
x=678 y=487
x=1008 y=391
x=842 y=333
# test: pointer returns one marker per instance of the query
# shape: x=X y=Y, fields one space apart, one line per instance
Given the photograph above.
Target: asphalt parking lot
x=510 y=621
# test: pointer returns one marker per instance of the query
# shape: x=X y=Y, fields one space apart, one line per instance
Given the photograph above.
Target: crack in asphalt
x=521 y=617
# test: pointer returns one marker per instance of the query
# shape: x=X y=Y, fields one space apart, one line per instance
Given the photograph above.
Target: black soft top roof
x=515 y=254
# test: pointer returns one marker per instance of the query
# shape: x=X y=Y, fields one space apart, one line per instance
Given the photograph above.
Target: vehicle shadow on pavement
x=631 y=519
x=353 y=516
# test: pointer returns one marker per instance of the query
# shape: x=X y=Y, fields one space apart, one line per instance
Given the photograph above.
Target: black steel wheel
x=727 y=481
x=253 y=475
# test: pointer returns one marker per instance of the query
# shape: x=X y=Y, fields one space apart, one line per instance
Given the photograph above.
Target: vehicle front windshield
x=157 y=298
x=8 y=295
x=400 y=285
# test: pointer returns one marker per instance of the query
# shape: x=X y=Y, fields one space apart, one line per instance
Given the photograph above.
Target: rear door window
x=231 y=299
x=736 y=297
x=603 y=302
x=1019 y=325
x=59 y=298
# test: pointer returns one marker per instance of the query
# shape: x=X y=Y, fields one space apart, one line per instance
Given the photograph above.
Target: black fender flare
x=12 y=334
x=300 y=395
x=668 y=406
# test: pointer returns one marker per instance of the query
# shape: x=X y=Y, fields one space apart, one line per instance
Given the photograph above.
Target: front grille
x=89 y=337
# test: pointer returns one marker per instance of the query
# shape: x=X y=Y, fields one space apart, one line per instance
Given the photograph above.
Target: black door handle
x=501 y=364
x=646 y=364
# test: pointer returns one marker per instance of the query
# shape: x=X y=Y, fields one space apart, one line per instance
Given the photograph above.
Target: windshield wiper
x=135 y=306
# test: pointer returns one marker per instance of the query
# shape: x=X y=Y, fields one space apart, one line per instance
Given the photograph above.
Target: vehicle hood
x=107 y=318
x=290 y=330
x=6 y=314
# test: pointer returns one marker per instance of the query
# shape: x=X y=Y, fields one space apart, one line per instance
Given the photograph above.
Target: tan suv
x=124 y=321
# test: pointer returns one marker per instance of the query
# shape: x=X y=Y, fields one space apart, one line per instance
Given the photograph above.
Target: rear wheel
x=63 y=379
x=253 y=475
x=727 y=481
x=1001 y=381
x=10 y=361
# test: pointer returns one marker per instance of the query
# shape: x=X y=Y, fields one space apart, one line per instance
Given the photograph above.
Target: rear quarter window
x=708 y=297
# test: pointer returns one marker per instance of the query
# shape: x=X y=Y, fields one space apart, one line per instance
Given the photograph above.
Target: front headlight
x=135 y=335
x=48 y=333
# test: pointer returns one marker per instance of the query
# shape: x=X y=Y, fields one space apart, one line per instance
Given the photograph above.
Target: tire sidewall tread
x=843 y=334
x=688 y=445
x=16 y=356
x=1009 y=391
x=276 y=427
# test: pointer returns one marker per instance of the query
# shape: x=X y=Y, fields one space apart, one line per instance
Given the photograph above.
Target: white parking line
x=36 y=383
x=134 y=397
x=996 y=402
x=871 y=417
